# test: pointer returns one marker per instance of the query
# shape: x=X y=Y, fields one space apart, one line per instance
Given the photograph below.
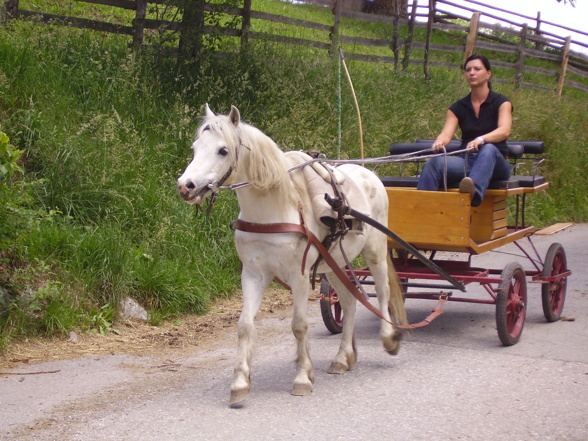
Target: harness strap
x=341 y=275
x=338 y=228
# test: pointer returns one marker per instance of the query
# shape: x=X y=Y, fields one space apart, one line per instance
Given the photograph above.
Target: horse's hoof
x=238 y=396
x=392 y=344
x=301 y=389
x=337 y=368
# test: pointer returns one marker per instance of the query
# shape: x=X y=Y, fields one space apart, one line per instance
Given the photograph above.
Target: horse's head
x=214 y=156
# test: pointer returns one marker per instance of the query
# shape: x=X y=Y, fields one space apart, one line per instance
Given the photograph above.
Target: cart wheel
x=511 y=304
x=331 y=311
x=553 y=294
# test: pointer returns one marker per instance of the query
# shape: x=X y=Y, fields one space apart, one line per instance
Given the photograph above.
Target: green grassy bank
x=104 y=132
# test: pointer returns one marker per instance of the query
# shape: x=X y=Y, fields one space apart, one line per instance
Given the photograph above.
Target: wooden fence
x=523 y=41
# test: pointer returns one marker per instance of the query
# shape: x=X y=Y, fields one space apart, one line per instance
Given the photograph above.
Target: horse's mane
x=256 y=155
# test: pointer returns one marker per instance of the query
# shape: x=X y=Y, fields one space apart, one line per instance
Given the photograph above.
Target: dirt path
x=130 y=337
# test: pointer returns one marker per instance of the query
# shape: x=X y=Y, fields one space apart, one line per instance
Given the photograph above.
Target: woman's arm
x=447 y=133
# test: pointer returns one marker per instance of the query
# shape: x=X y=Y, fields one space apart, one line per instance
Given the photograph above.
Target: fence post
x=538 y=45
x=394 y=42
x=139 y=23
x=521 y=60
x=428 y=40
x=472 y=36
x=409 y=37
x=10 y=10
x=564 y=65
x=335 y=31
x=246 y=23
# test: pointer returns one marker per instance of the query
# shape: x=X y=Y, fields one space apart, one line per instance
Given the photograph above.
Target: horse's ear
x=209 y=113
x=235 y=116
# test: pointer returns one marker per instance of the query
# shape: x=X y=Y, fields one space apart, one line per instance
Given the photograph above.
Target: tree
x=396 y=8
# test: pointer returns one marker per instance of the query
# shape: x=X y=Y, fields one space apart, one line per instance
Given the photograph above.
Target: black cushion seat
x=400 y=181
x=529 y=181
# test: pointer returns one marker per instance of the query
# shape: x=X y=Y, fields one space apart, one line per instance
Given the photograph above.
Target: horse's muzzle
x=189 y=193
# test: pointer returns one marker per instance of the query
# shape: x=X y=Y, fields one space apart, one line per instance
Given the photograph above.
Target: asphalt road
x=451 y=381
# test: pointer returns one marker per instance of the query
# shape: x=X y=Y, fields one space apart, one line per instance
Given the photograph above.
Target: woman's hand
x=438 y=146
x=476 y=143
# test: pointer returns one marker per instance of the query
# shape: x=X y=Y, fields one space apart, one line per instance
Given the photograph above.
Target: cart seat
x=516 y=150
x=400 y=181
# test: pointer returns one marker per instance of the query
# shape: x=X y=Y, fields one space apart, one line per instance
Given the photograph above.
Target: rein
x=406 y=157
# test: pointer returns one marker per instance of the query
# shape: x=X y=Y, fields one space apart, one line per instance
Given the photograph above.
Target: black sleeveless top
x=472 y=126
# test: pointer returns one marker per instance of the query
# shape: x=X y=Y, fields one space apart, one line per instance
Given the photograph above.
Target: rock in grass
x=130 y=309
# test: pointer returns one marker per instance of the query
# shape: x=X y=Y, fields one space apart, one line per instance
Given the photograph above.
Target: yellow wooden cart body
x=446 y=221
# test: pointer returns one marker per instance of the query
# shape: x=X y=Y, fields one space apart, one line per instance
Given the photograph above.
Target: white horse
x=230 y=151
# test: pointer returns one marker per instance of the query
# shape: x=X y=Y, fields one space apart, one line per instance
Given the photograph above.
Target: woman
x=485 y=120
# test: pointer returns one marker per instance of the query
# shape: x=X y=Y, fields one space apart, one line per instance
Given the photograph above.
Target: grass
x=105 y=132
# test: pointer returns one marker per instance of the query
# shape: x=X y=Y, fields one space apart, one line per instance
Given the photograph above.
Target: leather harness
x=341 y=275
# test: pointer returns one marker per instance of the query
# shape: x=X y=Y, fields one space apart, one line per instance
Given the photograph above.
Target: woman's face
x=476 y=74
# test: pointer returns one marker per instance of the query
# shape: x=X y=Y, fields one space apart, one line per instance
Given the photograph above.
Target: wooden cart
x=444 y=221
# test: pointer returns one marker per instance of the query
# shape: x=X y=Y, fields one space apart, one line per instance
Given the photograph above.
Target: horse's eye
x=223 y=151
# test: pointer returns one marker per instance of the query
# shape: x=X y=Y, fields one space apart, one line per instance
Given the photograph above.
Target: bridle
x=215 y=187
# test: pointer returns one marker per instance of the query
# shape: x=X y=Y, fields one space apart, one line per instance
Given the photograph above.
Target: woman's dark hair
x=482 y=58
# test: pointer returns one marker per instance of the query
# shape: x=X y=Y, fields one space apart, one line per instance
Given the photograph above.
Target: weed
x=101 y=319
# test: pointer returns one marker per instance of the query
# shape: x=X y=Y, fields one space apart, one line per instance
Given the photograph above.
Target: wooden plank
x=369 y=58
x=429 y=217
x=362 y=41
x=485 y=4
x=510 y=237
x=290 y=21
x=576 y=71
x=537 y=189
x=499 y=232
x=472 y=36
x=500 y=205
x=78 y=22
x=489 y=219
x=564 y=66
x=124 y=4
x=328 y=3
x=499 y=214
x=553 y=229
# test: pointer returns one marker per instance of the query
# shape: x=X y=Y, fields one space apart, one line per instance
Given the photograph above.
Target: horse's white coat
x=225 y=143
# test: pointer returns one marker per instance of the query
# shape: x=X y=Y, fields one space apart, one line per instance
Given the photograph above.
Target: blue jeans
x=488 y=164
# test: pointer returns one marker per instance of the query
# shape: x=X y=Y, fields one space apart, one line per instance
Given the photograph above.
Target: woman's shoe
x=467 y=186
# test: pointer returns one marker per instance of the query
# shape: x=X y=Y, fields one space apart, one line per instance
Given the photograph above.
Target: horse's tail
x=396 y=303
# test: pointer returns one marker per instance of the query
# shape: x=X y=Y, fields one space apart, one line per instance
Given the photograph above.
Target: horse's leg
x=347 y=355
x=304 y=369
x=254 y=285
x=384 y=276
